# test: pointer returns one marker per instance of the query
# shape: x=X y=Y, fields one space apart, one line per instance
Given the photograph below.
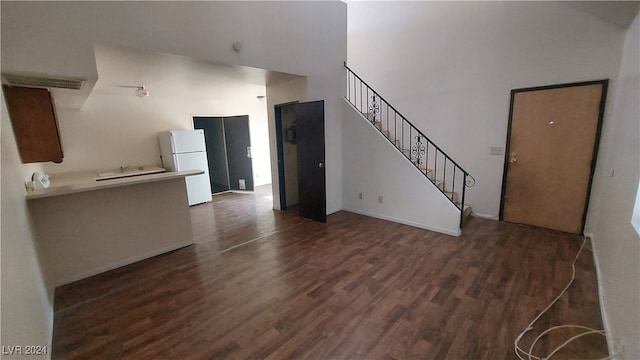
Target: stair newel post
x=464 y=187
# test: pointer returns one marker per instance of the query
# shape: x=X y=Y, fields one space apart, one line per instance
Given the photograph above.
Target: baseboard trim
x=405 y=222
x=50 y=342
x=484 y=216
x=122 y=263
x=603 y=312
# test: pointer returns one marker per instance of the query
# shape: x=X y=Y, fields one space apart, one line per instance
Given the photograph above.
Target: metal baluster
x=395 y=129
x=367 y=109
x=349 y=86
x=453 y=186
x=435 y=166
x=444 y=177
x=410 y=146
x=426 y=159
x=360 y=95
x=402 y=124
x=388 y=128
x=355 y=93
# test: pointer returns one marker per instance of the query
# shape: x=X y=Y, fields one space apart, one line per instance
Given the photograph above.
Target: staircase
x=427 y=157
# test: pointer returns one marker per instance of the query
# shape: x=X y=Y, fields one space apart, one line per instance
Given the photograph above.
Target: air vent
x=40 y=81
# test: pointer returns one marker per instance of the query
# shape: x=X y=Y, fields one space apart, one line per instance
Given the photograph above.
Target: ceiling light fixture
x=141 y=91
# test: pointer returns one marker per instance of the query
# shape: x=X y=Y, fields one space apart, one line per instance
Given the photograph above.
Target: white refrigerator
x=185 y=150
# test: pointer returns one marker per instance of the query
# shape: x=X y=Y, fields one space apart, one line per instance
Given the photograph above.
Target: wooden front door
x=551 y=150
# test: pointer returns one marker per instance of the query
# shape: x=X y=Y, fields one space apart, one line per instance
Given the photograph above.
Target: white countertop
x=69 y=183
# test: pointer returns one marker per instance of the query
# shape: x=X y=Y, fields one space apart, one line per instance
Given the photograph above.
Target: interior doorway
x=552 y=144
x=301 y=163
x=228 y=146
x=287 y=152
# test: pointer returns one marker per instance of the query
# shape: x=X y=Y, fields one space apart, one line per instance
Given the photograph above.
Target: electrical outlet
x=360 y=196
x=496 y=150
x=380 y=199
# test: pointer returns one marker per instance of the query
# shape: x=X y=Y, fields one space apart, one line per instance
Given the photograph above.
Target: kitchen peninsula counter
x=69 y=183
x=84 y=227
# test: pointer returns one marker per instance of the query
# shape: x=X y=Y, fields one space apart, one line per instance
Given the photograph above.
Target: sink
x=127 y=171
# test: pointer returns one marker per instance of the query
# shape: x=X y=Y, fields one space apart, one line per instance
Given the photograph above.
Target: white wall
x=616 y=243
x=312 y=43
x=27 y=302
x=373 y=167
x=449 y=68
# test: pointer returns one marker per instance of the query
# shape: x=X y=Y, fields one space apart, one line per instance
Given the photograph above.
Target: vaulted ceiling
x=618 y=13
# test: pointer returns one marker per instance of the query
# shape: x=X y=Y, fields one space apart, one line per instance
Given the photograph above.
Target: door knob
x=320 y=165
x=513 y=158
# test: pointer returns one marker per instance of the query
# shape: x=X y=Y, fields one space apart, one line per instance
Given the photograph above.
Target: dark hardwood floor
x=262 y=284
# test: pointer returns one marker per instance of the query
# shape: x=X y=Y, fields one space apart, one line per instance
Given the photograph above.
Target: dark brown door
x=311 y=166
x=551 y=150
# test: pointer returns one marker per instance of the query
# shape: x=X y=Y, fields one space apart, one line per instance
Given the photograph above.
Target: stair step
x=377 y=124
x=452 y=195
x=466 y=211
x=426 y=171
x=380 y=127
x=370 y=117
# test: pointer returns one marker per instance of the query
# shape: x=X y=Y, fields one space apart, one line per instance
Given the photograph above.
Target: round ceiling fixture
x=141 y=91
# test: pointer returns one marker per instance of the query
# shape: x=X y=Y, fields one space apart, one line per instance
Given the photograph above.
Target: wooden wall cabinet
x=35 y=123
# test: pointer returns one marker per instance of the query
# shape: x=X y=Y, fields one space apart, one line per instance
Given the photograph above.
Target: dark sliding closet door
x=228 y=151
x=236 y=131
x=216 y=151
